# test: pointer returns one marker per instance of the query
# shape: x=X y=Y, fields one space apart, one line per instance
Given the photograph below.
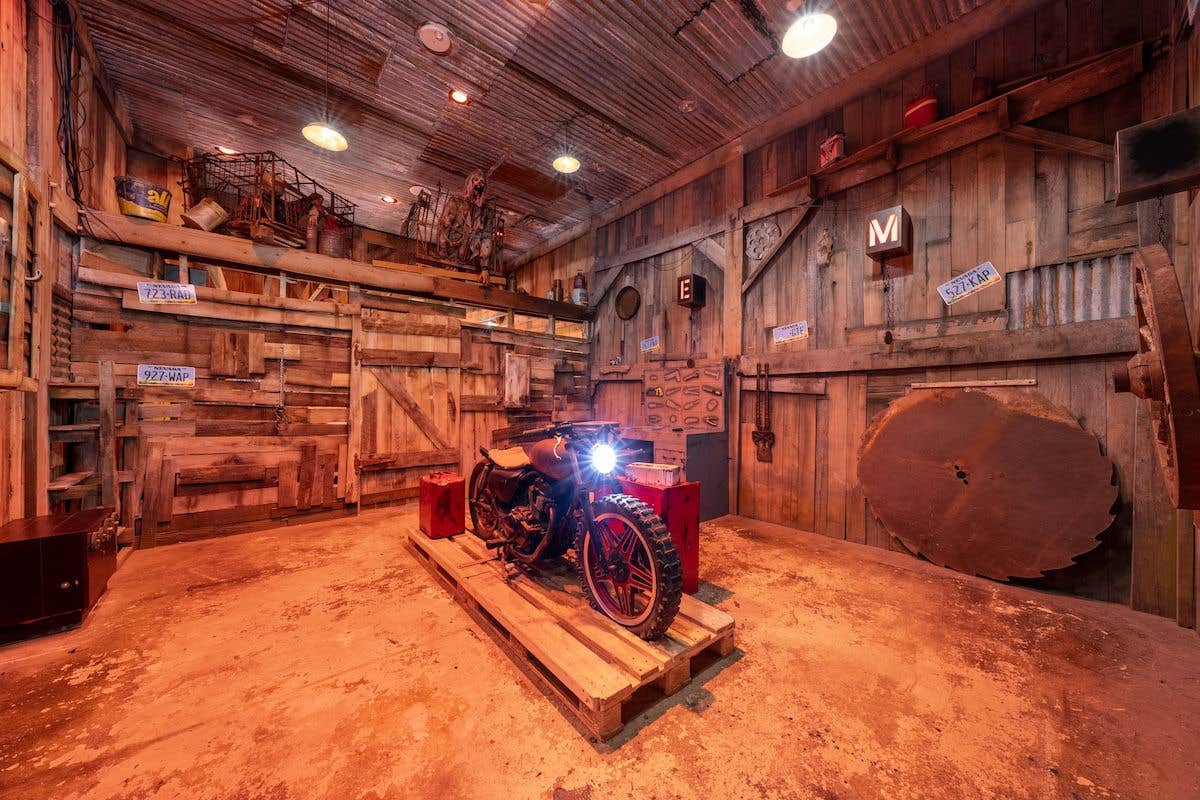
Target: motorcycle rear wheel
x=628 y=566
x=485 y=512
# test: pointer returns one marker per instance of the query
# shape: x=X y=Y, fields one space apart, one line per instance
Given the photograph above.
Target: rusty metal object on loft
x=1166 y=373
x=992 y=482
x=763 y=437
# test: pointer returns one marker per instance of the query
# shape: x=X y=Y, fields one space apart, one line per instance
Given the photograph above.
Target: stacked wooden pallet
x=596 y=668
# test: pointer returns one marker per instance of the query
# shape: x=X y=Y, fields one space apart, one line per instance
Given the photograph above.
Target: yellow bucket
x=139 y=198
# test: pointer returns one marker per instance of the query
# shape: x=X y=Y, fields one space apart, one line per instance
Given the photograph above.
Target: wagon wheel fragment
x=1166 y=373
x=992 y=482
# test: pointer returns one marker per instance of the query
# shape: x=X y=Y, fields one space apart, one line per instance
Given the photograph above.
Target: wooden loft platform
x=250 y=256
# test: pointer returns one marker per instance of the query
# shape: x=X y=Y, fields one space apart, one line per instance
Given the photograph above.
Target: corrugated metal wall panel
x=1076 y=291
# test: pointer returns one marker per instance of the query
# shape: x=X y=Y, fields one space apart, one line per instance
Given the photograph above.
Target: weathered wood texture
x=1039 y=207
x=29 y=97
x=286 y=407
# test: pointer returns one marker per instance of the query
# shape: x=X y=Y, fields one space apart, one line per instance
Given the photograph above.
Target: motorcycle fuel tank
x=549 y=457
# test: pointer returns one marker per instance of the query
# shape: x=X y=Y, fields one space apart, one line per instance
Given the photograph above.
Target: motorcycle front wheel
x=629 y=567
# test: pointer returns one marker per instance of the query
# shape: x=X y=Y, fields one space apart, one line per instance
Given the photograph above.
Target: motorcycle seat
x=509 y=458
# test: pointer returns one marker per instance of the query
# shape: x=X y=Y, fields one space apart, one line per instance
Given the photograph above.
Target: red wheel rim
x=619 y=570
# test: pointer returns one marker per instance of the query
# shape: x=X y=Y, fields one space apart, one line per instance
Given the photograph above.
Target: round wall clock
x=629 y=300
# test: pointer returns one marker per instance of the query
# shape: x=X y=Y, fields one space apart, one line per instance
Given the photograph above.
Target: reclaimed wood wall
x=298 y=406
x=1039 y=208
x=29 y=132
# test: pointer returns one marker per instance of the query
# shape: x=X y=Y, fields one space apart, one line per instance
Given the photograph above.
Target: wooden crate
x=655 y=474
x=592 y=665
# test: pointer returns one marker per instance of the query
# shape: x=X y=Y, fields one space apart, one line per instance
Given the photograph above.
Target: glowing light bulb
x=566 y=164
x=809 y=34
x=324 y=136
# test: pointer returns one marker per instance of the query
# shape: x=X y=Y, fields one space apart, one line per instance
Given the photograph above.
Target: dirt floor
x=321 y=661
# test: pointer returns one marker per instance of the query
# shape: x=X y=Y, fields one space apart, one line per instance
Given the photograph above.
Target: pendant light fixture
x=321 y=133
x=809 y=34
x=566 y=162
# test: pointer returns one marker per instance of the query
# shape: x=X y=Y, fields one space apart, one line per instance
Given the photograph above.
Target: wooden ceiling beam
x=253 y=257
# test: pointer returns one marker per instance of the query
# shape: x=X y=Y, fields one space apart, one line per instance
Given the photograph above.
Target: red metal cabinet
x=679 y=507
x=443 y=505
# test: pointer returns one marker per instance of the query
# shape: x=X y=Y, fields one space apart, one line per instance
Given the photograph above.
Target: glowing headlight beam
x=604 y=458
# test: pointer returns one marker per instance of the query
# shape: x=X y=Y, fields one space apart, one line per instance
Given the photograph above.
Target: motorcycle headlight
x=604 y=458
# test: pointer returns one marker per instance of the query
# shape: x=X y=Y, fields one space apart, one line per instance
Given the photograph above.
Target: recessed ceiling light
x=809 y=34
x=226 y=151
x=566 y=164
x=324 y=136
x=435 y=37
x=460 y=97
x=387 y=198
x=687 y=106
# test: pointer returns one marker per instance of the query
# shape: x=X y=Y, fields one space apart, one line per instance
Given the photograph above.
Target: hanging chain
x=763 y=437
x=890 y=273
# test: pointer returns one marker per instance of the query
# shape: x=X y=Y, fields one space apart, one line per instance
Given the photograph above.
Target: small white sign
x=166 y=293
x=653 y=343
x=970 y=282
x=790 y=333
x=159 y=375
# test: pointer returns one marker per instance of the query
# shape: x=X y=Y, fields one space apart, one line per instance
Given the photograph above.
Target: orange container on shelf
x=443 y=510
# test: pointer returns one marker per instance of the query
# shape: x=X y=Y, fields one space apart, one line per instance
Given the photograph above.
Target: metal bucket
x=332 y=243
x=207 y=215
x=139 y=198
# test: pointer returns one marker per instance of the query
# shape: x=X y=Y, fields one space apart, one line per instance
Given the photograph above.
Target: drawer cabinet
x=53 y=569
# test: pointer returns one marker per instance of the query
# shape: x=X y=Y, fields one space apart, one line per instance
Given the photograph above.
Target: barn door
x=408 y=390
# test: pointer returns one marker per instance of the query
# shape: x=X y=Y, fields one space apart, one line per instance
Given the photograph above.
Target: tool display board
x=691 y=399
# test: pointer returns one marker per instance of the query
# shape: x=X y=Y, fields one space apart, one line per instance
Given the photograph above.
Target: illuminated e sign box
x=692 y=291
x=889 y=233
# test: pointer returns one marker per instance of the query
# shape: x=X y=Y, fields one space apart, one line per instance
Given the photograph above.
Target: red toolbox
x=679 y=507
x=443 y=505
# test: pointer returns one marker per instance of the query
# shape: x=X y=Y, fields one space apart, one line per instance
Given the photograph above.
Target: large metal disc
x=993 y=482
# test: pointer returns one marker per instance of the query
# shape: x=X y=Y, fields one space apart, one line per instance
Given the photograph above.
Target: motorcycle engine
x=530 y=522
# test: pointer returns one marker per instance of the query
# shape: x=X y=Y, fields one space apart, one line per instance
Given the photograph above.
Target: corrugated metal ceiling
x=605 y=76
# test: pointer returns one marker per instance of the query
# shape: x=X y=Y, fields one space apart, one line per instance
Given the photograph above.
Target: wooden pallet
x=592 y=665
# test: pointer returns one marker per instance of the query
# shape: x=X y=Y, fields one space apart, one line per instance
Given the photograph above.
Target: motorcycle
x=536 y=503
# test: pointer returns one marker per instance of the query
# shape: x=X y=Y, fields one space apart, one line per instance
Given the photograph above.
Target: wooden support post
x=107 y=461
x=354 y=429
x=731 y=321
x=184 y=270
x=16 y=295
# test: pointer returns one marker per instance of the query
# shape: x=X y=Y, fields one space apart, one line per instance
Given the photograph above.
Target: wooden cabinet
x=703 y=456
x=53 y=569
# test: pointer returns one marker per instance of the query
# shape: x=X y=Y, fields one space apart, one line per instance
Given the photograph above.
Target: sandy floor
x=322 y=661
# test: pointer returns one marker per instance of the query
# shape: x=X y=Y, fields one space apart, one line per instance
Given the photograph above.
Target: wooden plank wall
x=29 y=96
x=1011 y=203
x=1041 y=215
x=266 y=433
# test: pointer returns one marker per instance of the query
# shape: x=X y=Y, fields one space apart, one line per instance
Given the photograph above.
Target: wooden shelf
x=996 y=116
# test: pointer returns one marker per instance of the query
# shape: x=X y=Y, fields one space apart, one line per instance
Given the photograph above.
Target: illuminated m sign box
x=889 y=233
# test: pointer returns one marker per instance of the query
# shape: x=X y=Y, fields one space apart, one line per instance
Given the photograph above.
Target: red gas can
x=679 y=507
x=443 y=505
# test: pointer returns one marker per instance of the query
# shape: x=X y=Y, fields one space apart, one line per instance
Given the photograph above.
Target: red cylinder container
x=443 y=505
x=922 y=110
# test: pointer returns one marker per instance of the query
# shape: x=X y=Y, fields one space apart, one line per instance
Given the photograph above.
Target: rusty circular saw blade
x=1165 y=348
x=992 y=482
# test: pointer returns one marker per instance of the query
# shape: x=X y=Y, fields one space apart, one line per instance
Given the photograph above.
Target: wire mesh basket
x=463 y=230
x=267 y=199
